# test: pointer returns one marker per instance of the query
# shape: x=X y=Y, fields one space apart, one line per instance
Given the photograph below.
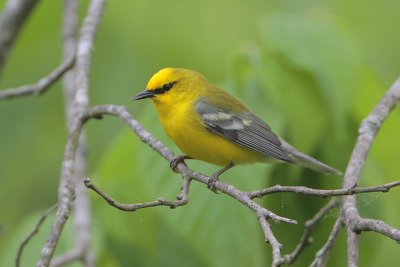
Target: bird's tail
x=307 y=161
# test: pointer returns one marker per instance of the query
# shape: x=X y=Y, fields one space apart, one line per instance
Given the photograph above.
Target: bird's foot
x=214 y=178
x=211 y=183
x=179 y=159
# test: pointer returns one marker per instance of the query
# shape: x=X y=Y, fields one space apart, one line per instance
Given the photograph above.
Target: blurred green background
x=312 y=69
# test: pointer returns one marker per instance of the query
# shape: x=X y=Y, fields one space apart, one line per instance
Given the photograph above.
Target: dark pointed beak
x=144 y=94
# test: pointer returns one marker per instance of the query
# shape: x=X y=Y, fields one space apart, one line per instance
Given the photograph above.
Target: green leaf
x=313 y=67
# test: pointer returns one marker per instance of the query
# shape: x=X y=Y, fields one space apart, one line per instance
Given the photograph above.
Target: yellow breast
x=185 y=128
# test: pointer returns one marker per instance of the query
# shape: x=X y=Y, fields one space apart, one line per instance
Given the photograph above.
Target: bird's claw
x=174 y=163
x=211 y=183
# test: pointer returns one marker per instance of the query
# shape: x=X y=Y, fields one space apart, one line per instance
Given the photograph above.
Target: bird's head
x=173 y=84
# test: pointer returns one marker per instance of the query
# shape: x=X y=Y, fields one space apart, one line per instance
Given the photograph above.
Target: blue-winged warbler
x=209 y=124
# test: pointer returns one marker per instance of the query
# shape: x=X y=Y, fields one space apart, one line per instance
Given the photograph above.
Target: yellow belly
x=190 y=135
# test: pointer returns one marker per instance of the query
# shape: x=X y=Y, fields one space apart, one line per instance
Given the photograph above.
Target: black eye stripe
x=165 y=88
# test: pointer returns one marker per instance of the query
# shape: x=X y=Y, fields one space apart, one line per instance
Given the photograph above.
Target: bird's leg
x=179 y=159
x=214 y=178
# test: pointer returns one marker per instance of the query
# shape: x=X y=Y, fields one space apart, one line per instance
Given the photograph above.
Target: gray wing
x=244 y=129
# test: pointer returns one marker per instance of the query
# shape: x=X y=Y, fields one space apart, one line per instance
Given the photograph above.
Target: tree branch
x=67 y=183
x=322 y=256
x=182 y=199
x=14 y=15
x=308 y=228
x=82 y=248
x=67 y=257
x=65 y=194
x=271 y=239
x=358 y=224
x=42 y=85
x=33 y=232
x=367 y=133
x=322 y=192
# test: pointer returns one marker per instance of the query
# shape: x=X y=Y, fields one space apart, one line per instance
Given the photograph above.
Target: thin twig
x=34 y=231
x=322 y=256
x=322 y=192
x=183 y=196
x=42 y=85
x=271 y=239
x=309 y=225
x=182 y=199
x=67 y=257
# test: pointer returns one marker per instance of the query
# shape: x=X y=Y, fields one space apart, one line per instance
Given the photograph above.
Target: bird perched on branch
x=209 y=124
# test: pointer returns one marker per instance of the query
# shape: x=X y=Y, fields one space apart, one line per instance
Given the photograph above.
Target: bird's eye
x=168 y=86
x=165 y=88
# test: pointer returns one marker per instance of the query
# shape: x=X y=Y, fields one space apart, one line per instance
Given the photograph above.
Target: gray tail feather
x=307 y=161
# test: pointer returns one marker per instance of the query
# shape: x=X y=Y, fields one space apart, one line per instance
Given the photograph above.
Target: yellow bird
x=209 y=124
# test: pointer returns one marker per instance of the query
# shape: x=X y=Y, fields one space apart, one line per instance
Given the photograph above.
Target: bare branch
x=308 y=227
x=67 y=257
x=183 y=196
x=322 y=256
x=34 y=231
x=42 y=85
x=271 y=239
x=352 y=248
x=67 y=182
x=69 y=38
x=182 y=199
x=65 y=194
x=12 y=19
x=359 y=224
x=82 y=248
x=322 y=192
x=85 y=45
x=367 y=132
